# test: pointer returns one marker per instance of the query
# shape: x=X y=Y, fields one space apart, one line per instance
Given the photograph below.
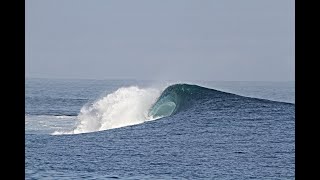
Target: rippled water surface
x=217 y=135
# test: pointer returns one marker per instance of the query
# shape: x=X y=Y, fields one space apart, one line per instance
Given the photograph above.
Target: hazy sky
x=161 y=39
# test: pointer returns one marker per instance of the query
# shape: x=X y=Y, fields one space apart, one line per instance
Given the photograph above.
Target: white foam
x=124 y=107
x=46 y=124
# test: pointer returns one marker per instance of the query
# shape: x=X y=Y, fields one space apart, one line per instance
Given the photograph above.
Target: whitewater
x=124 y=107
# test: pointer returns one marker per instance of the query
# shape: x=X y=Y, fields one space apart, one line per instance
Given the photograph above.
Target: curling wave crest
x=133 y=105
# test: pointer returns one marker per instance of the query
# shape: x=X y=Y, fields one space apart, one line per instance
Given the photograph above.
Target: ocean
x=130 y=129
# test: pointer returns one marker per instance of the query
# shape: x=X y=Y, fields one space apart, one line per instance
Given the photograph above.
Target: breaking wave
x=133 y=105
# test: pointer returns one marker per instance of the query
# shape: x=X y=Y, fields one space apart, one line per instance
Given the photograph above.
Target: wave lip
x=178 y=97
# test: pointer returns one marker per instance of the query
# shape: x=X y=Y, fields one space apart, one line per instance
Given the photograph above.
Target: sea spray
x=126 y=106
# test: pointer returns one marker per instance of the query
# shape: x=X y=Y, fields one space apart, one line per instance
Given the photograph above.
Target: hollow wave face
x=176 y=98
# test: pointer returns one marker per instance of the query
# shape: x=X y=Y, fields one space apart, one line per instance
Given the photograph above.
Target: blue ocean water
x=128 y=129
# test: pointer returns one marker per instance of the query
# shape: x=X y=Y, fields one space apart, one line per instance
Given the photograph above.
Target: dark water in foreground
x=214 y=135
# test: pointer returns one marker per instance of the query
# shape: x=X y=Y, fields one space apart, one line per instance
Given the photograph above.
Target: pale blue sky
x=161 y=39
